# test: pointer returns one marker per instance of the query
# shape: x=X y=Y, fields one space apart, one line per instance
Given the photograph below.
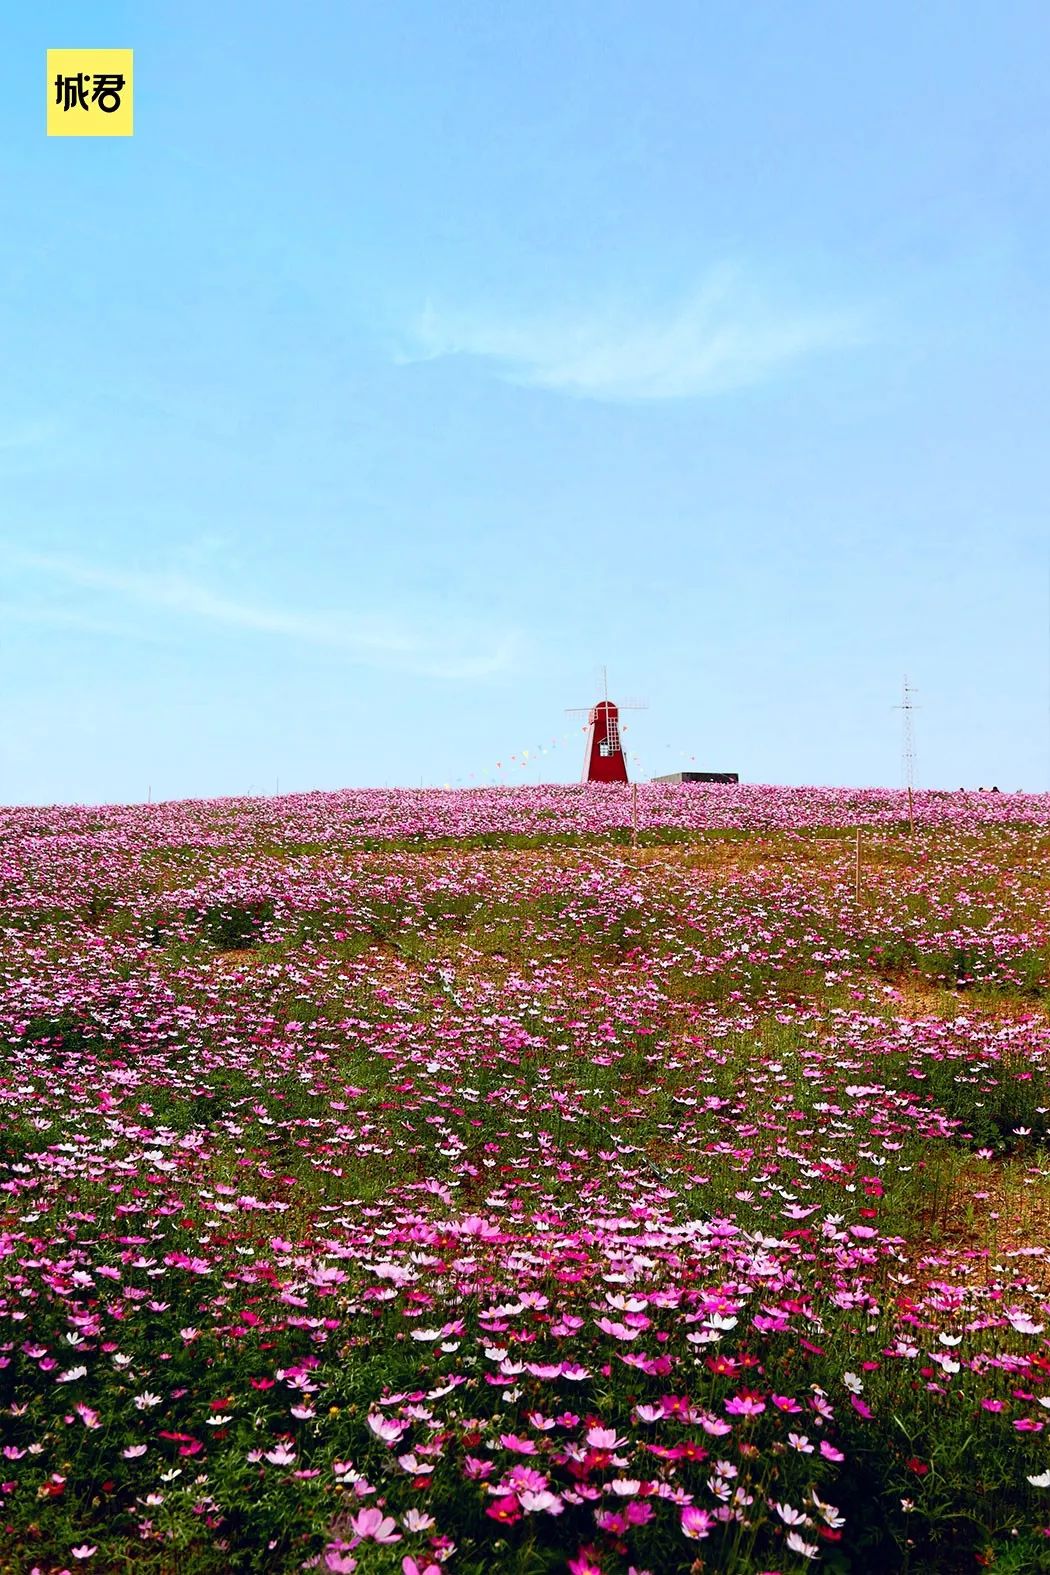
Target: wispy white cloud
x=435 y=648
x=725 y=335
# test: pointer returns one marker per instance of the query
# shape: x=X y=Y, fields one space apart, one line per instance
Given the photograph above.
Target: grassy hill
x=526 y=1180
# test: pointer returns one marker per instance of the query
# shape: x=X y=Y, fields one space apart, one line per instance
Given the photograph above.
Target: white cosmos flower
x=1023 y=1324
x=828 y=1512
x=789 y=1515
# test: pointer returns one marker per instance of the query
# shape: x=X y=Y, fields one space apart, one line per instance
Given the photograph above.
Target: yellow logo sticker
x=89 y=92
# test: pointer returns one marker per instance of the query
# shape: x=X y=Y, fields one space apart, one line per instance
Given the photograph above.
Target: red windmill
x=604 y=760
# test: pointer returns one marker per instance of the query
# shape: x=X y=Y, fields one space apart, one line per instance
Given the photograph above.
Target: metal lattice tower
x=906 y=708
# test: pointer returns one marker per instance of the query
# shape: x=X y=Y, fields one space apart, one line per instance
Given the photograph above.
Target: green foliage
x=232 y=926
x=1003 y=1107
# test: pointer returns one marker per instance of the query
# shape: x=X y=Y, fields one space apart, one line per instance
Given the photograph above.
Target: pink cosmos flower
x=414 y=1466
x=716 y=1426
x=339 y=1563
x=522 y=1476
x=385 y=1427
x=696 y=1523
x=541 y=1502
x=584 y=1564
x=372 y=1525
x=506 y=1509
x=619 y=1331
x=281 y=1456
x=613 y=1525
x=745 y=1404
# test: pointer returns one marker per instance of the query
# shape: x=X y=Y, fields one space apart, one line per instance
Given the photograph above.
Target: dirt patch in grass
x=1000 y=1210
x=917 y=999
x=240 y=957
x=920 y=999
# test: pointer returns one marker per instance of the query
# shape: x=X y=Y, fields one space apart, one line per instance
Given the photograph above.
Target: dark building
x=700 y=776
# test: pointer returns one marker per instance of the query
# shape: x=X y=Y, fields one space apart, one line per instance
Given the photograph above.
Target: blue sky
x=411 y=361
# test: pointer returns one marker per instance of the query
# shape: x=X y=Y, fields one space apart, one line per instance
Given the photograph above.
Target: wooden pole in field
x=857 y=867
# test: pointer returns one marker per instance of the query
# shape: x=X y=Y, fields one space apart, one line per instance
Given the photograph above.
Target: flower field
x=470 y=1181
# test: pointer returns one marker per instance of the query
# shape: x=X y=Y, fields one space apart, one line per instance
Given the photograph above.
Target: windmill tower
x=604 y=759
